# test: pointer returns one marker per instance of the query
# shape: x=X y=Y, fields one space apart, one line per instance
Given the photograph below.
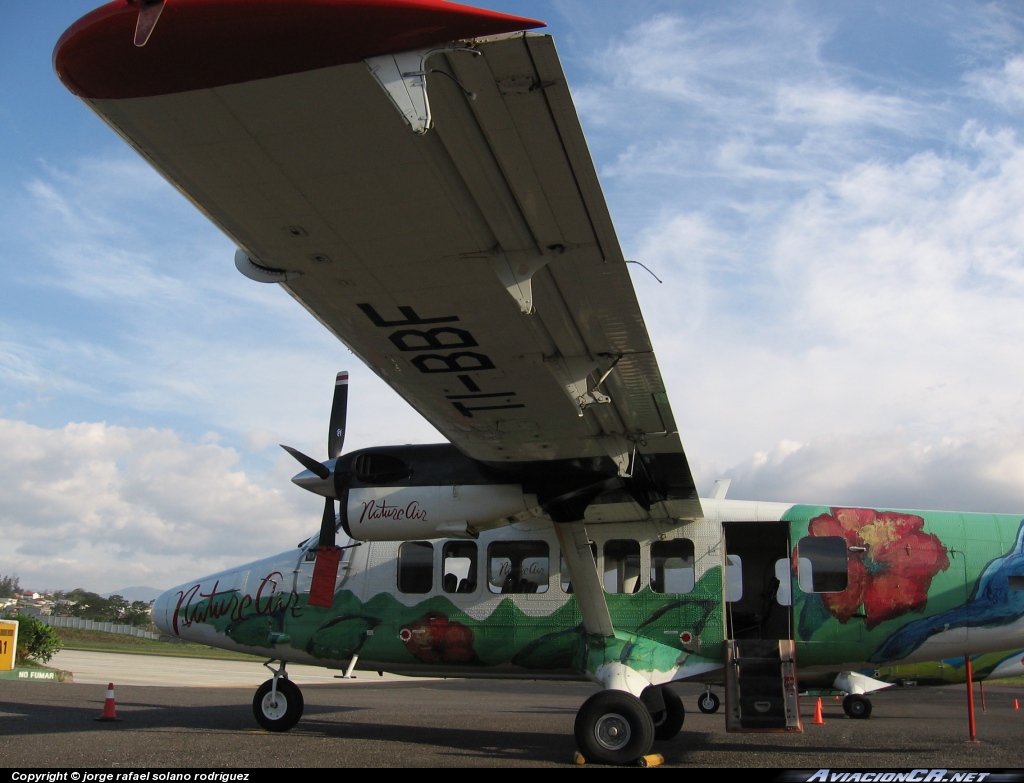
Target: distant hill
x=130 y=594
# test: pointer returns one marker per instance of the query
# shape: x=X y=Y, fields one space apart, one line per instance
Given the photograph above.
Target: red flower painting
x=891 y=562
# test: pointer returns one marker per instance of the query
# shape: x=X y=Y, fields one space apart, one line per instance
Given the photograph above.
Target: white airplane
x=413 y=172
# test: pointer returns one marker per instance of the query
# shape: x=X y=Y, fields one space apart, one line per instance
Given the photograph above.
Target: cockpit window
x=309 y=546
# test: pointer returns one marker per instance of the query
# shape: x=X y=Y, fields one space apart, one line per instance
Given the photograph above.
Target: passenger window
x=672 y=566
x=517 y=567
x=622 y=566
x=821 y=566
x=458 y=566
x=415 y=567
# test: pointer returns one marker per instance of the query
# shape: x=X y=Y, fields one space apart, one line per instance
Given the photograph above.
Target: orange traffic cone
x=1016 y=704
x=818 y=719
x=109 y=713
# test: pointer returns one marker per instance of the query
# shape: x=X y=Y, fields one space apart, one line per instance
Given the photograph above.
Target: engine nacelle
x=454 y=511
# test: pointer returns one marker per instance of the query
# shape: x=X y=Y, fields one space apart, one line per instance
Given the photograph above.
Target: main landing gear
x=856 y=706
x=615 y=727
x=612 y=727
x=278 y=703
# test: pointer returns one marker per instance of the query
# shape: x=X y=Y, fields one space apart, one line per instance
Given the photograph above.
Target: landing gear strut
x=278 y=703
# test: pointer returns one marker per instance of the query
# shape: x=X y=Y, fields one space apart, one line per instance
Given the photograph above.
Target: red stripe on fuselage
x=199 y=44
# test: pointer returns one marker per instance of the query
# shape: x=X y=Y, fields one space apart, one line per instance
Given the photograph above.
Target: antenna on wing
x=639 y=263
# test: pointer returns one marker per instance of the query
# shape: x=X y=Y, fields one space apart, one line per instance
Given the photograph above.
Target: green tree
x=35 y=639
x=137 y=614
x=9 y=585
x=90 y=606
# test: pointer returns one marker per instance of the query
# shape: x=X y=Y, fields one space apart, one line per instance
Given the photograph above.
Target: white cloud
x=887 y=300
x=890 y=469
x=836 y=105
x=105 y=507
x=149 y=322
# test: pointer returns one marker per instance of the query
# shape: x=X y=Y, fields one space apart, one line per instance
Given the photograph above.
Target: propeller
x=324 y=481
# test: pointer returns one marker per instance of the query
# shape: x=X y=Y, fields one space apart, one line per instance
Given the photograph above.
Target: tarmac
x=196 y=720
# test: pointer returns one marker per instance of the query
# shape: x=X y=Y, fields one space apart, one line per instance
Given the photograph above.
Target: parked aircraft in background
x=413 y=172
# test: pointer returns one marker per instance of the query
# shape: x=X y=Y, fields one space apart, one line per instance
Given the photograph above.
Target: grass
x=79 y=639
x=98 y=641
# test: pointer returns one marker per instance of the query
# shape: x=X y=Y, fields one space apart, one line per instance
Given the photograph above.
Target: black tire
x=857 y=707
x=667 y=711
x=708 y=703
x=282 y=714
x=614 y=727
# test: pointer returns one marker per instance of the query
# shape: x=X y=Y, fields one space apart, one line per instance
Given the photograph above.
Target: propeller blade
x=327 y=524
x=310 y=464
x=342 y=483
x=328 y=556
x=339 y=413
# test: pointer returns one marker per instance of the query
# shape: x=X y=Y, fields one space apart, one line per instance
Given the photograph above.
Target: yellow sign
x=8 y=644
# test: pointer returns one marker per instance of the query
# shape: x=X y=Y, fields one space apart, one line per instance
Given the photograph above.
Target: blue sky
x=830 y=192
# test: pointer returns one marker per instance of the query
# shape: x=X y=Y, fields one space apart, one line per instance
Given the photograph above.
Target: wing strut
x=586 y=581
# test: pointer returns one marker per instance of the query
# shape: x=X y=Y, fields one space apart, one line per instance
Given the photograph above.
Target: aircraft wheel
x=857 y=707
x=614 y=727
x=280 y=714
x=667 y=710
x=708 y=703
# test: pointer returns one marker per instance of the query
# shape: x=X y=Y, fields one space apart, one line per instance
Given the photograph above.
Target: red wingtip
x=199 y=44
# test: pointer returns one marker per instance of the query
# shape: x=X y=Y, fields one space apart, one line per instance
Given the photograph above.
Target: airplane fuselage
x=851 y=587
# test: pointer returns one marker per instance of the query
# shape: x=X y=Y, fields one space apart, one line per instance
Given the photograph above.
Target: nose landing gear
x=278 y=702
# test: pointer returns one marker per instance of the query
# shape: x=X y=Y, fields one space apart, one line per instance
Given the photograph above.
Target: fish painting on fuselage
x=414 y=173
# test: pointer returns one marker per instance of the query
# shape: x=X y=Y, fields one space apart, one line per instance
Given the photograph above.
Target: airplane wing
x=414 y=173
